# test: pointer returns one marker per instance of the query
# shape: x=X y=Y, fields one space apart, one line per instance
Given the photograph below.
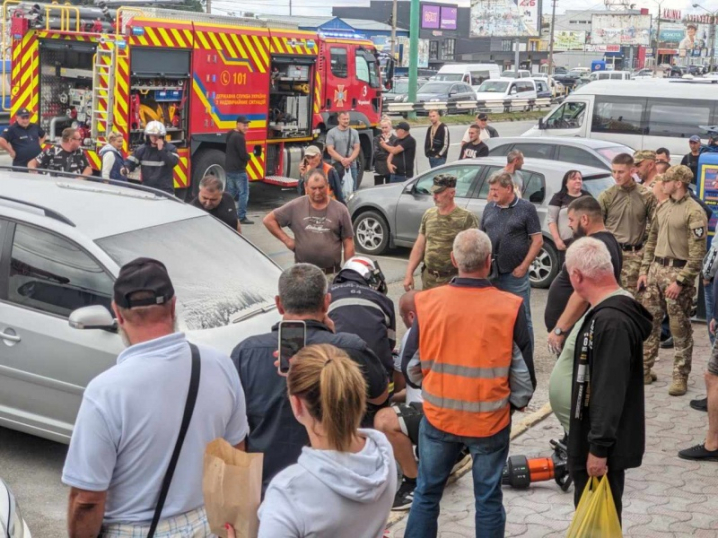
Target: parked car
x=400 y=87
x=11 y=522
x=579 y=151
x=677 y=71
x=642 y=74
x=609 y=75
x=389 y=216
x=63 y=242
x=521 y=73
x=507 y=89
x=446 y=92
x=542 y=88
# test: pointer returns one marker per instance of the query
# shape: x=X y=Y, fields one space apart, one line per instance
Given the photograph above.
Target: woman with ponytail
x=344 y=484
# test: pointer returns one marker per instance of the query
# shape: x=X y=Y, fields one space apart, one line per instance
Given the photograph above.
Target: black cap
x=403 y=125
x=23 y=112
x=443 y=182
x=242 y=119
x=143 y=274
x=482 y=117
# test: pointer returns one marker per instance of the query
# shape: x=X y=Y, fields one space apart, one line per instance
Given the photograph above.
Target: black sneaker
x=245 y=220
x=405 y=496
x=700 y=405
x=698 y=453
x=667 y=344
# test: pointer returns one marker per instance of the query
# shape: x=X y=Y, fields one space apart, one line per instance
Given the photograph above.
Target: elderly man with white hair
x=607 y=428
x=476 y=366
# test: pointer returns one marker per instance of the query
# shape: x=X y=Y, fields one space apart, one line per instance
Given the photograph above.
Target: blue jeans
x=521 y=287
x=355 y=174
x=437 y=455
x=708 y=294
x=394 y=178
x=436 y=161
x=238 y=188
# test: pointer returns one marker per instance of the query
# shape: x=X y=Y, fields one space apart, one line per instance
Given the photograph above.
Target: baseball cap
x=695 y=138
x=23 y=112
x=403 y=125
x=312 y=151
x=482 y=117
x=242 y=119
x=143 y=274
x=443 y=182
x=679 y=172
x=644 y=155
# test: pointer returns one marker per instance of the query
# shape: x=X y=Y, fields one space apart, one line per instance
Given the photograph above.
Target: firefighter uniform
x=674 y=252
x=156 y=165
x=627 y=212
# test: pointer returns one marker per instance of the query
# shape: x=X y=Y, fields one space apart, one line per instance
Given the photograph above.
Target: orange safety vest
x=466 y=342
x=327 y=168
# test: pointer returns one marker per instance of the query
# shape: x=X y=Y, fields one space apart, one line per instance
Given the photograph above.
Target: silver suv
x=62 y=243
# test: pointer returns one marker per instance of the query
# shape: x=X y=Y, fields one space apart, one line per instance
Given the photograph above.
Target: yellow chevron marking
x=228 y=46
x=187 y=36
x=248 y=44
x=168 y=39
x=261 y=45
x=238 y=45
x=277 y=45
x=203 y=40
x=150 y=32
x=216 y=44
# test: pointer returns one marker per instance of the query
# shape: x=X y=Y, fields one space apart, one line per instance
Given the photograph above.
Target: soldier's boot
x=649 y=377
x=679 y=386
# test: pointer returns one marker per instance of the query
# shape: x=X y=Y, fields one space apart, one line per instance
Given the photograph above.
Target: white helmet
x=155 y=128
x=369 y=270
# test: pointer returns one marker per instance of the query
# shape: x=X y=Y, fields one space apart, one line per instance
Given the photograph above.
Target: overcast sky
x=319 y=7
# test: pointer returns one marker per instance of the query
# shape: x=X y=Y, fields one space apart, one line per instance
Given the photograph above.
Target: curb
x=516 y=430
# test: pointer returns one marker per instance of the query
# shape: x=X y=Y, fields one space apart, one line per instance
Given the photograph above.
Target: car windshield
x=493 y=86
x=401 y=86
x=610 y=152
x=215 y=273
x=434 y=87
x=449 y=77
x=595 y=185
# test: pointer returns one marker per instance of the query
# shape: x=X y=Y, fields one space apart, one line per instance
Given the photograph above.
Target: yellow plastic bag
x=596 y=515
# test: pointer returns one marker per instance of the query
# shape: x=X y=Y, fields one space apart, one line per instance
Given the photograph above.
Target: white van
x=521 y=73
x=642 y=114
x=506 y=89
x=471 y=74
x=610 y=75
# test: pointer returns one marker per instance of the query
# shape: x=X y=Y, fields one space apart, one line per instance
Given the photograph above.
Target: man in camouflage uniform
x=671 y=262
x=439 y=226
x=644 y=162
x=627 y=211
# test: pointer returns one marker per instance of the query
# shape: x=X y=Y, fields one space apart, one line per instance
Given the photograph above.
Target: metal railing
x=496 y=106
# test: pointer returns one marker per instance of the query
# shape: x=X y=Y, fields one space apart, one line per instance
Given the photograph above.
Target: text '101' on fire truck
x=101 y=70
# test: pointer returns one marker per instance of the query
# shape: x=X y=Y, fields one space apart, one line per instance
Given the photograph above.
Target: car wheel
x=207 y=162
x=371 y=233
x=545 y=267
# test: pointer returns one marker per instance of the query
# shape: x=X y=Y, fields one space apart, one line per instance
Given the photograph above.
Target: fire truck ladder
x=103 y=88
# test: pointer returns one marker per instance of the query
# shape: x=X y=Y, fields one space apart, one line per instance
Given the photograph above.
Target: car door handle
x=10 y=337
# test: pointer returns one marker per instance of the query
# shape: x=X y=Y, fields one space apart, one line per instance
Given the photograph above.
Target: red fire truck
x=102 y=70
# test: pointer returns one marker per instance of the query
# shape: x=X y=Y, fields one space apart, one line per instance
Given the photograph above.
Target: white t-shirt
x=129 y=421
x=412 y=394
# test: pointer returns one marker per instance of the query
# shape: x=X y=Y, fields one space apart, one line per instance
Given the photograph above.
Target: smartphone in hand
x=292 y=338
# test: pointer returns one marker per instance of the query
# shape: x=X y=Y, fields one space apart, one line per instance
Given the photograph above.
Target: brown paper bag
x=232 y=486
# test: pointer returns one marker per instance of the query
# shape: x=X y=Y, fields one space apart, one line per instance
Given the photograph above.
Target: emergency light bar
x=341 y=35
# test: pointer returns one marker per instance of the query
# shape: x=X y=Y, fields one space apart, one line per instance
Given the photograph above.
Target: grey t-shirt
x=343 y=141
x=318 y=234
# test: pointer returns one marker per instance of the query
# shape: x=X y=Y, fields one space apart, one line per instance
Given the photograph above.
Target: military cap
x=678 y=172
x=443 y=182
x=644 y=155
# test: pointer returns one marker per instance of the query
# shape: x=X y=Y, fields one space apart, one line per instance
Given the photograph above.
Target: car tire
x=361 y=167
x=371 y=233
x=207 y=161
x=545 y=267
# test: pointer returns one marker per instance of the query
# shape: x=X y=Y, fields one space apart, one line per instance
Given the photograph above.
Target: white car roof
x=652 y=87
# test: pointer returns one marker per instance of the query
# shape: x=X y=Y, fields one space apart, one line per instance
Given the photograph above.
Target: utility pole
x=209 y=6
x=413 y=53
x=393 y=30
x=658 y=37
x=517 y=57
x=290 y=8
x=550 y=41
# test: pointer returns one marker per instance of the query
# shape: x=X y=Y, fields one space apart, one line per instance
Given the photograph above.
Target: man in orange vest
x=470 y=350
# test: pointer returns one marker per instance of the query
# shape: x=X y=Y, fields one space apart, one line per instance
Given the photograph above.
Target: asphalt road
x=33 y=466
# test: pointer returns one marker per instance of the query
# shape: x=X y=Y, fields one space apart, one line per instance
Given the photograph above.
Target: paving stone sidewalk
x=665 y=497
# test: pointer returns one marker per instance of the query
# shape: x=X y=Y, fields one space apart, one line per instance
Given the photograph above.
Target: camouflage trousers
x=429 y=281
x=630 y=270
x=678 y=310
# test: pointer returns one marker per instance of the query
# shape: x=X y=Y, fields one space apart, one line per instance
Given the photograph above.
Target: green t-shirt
x=560 y=383
x=440 y=232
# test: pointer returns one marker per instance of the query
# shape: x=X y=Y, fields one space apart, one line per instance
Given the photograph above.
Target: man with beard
x=119 y=458
x=216 y=202
x=564 y=306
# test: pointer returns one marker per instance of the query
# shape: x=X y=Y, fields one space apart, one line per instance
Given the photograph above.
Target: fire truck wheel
x=208 y=161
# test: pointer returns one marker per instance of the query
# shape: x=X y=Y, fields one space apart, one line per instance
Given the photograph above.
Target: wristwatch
x=558 y=331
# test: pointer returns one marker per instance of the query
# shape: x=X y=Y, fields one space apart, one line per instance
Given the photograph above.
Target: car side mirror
x=408 y=189
x=541 y=124
x=93 y=317
x=451 y=94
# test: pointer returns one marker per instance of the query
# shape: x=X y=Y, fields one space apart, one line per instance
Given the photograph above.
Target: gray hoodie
x=329 y=493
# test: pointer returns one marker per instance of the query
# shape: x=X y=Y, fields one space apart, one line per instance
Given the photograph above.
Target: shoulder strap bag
x=188 y=410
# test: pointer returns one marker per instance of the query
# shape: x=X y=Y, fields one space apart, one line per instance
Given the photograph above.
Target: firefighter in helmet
x=360 y=306
x=156 y=159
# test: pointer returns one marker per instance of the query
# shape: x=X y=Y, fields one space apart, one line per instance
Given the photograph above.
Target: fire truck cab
x=103 y=70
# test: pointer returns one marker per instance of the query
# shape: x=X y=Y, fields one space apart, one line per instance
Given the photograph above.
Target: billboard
x=448 y=17
x=504 y=18
x=422 y=57
x=569 y=40
x=617 y=29
x=435 y=17
x=672 y=33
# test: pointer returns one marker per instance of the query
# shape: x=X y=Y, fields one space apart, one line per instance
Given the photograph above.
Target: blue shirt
x=129 y=421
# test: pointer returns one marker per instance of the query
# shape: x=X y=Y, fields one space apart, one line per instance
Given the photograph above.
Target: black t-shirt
x=25 y=142
x=473 y=150
x=404 y=161
x=561 y=288
x=691 y=161
x=56 y=158
x=226 y=211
